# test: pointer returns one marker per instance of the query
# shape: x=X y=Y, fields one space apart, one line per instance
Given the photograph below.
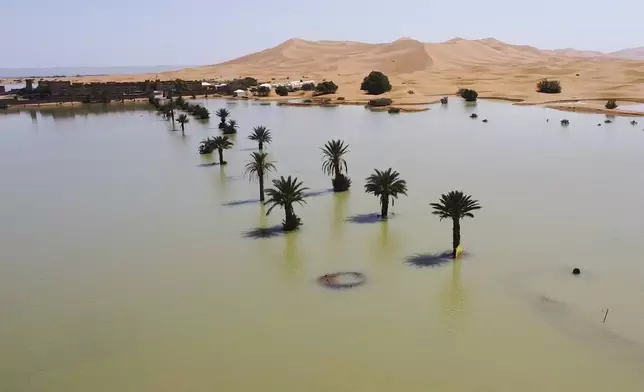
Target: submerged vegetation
x=258 y=168
x=385 y=184
x=611 y=104
x=455 y=205
x=284 y=194
x=261 y=135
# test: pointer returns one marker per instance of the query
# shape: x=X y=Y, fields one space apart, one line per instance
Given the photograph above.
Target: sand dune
x=492 y=67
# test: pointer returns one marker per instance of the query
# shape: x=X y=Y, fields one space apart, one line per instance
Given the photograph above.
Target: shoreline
x=588 y=105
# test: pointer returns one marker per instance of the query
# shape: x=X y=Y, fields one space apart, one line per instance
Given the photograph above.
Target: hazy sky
x=43 y=33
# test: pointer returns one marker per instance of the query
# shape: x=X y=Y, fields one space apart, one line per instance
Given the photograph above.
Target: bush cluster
x=380 y=102
x=326 y=87
x=375 y=83
x=549 y=86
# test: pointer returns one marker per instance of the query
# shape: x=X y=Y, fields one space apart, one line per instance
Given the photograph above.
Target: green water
x=124 y=266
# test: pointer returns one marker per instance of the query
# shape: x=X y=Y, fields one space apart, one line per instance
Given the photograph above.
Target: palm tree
x=455 y=205
x=222 y=114
x=170 y=110
x=258 y=167
x=231 y=127
x=221 y=143
x=286 y=192
x=333 y=161
x=183 y=120
x=384 y=184
x=261 y=135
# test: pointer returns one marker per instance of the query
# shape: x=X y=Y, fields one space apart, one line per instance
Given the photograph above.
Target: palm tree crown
x=262 y=135
x=258 y=166
x=221 y=143
x=455 y=205
x=386 y=182
x=222 y=114
x=333 y=157
x=285 y=192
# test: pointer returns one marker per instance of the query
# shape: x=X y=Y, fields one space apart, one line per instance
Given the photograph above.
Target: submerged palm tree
x=333 y=162
x=261 y=135
x=231 y=127
x=258 y=167
x=385 y=184
x=455 y=205
x=170 y=110
x=222 y=114
x=221 y=143
x=286 y=192
x=183 y=120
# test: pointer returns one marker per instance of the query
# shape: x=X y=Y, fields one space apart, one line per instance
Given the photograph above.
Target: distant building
x=2 y=90
x=240 y=93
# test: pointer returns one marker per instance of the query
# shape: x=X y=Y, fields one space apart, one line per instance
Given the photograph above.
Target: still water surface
x=126 y=266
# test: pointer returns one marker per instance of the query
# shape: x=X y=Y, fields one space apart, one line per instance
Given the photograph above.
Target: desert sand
x=421 y=72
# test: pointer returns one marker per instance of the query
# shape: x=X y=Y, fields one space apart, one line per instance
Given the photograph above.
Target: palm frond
x=455 y=205
x=261 y=134
x=333 y=157
x=386 y=182
x=258 y=166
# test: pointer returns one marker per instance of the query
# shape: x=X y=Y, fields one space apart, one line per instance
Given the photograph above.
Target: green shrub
x=375 y=83
x=341 y=183
x=380 y=102
x=410 y=91
x=394 y=110
x=611 y=104
x=468 y=95
x=281 y=91
x=308 y=86
x=263 y=91
x=340 y=98
x=326 y=87
x=549 y=86
x=565 y=122
x=444 y=100
x=308 y=101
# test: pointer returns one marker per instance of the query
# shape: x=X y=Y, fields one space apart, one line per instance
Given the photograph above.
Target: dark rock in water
x=547 y=120
x=599 y=125
x=474 y=115
x=633 y=122
x=485 y=120
x=607 y=122
x=576 y=271
x=565 y=122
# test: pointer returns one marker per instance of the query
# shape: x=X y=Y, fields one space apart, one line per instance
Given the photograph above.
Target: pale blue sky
x=43 y=33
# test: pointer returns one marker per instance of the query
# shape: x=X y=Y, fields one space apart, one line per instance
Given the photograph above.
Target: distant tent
x=206 y=84
x=240 y=93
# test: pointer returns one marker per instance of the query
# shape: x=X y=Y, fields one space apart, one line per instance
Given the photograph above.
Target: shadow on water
x=264 y=232
x=235 y=203
x=208 y=164
x=249 y=149
x=367 y=218
x=318 y=193
x=430 y=259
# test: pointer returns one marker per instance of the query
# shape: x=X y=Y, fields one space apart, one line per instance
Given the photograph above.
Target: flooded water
x=127 y=266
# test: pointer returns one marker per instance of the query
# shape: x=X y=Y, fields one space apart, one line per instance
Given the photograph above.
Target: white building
x=240 y=93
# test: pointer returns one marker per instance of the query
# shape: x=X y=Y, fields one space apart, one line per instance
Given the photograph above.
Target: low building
x=240 y=93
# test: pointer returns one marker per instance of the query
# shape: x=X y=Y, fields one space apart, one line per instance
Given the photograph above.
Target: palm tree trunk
x=384 y=204
x=183 y=130
x=261 y=186
x=172 y=115
x=261 y=146
x=456 y=236
x=221 y=156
